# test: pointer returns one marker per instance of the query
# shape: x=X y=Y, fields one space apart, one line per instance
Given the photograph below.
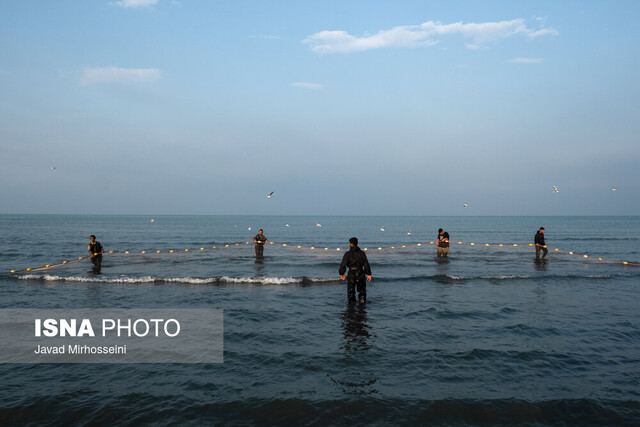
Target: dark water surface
x=491 y=337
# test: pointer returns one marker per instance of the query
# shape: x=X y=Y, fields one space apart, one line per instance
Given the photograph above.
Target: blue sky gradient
x=339 y=107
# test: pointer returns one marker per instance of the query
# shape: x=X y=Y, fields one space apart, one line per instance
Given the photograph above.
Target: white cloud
x=312 y=86
x=425 y=34
x=101 y=75
x=471 y=46
x=527 y=60
x=135 y=3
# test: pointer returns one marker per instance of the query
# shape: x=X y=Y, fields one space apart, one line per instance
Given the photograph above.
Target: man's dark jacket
x=356 y=260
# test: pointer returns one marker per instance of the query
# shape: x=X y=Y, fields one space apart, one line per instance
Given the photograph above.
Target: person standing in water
x=356 y=261
x=260 y=241
x=96 y=251
x=442 y=242
x=540 y=245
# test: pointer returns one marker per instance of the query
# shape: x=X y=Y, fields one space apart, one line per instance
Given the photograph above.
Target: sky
x=345 y=107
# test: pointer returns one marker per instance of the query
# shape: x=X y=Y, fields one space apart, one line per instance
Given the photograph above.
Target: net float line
x=324 y=248
x=383 y=248
x=165 y=251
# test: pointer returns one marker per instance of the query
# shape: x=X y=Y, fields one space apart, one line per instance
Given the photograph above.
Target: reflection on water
x=259 y=267
x=355 y=330
x=358 y=340
x=540 y=264
x=442 y=260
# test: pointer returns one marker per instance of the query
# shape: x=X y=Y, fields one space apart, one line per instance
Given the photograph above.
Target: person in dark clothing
x=442 y=242
x=96 y=251
x=540 y=245
x=260 y=241
x=356 y=261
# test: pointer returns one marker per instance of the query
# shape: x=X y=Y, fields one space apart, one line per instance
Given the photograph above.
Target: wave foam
x=187 y=280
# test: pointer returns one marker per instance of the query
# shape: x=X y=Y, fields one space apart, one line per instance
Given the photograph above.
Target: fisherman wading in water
x=443 y=243
x=356 y=261
x=538 y=240
x=260 y=240
x=96 y=251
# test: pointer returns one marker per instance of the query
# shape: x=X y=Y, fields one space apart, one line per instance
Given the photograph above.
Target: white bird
x=409 y=233
x=613 y=188
x=153 y=220
x=318 y=224
x=53 y=168
x=465 y=205
x=270 y=195
x=286 y=225
x=383 y=227
x=249 y=228
x=555 y=189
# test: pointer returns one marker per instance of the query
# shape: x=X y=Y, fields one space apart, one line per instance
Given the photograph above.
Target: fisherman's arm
x=367 y=268
x=343 y=266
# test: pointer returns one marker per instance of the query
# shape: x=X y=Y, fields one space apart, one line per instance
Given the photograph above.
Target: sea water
x=490 y=336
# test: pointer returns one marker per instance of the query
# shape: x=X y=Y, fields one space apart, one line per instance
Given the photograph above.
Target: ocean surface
x=489 y=337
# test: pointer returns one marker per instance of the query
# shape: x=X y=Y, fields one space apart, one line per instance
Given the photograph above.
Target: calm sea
x=490 y=337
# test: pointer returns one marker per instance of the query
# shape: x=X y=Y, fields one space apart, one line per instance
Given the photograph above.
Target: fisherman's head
x=260 y=231
x=353 y=242
x=440 y=231
x=92 y=238
x=542 y=229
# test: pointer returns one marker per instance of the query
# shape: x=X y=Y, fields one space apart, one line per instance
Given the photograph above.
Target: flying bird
x=383 y=227
x=555 y=189
x=286 y=225
x=53 y=168
x=249 y=228
x=465 y=205
x=270 y=195
x=153 y=220
x=318 y=224
x=613 y=188
x=409 y=233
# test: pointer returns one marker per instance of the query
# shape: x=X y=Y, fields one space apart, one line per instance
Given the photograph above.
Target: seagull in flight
x=318 y=224
x=270 y=195
x=53 y=168
x=613 y=188
x=249 y=228
x=409 y=233
x=555 y=189
x=286 y=225
x=465 y=204
x=383 y=227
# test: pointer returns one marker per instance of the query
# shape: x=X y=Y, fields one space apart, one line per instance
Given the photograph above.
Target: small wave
x=594 y=238
x=183 y=280
x=454 y=278
x=365 y=410
x=457 y=278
